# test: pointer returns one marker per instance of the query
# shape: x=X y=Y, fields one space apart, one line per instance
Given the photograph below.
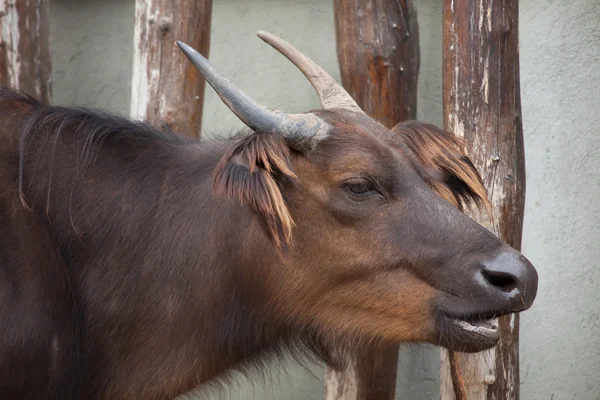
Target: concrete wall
x=560 y=76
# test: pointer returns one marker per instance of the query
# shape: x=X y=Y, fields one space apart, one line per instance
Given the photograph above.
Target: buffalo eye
x=359 y=189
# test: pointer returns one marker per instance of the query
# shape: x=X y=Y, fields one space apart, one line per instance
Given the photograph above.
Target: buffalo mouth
x=469 y=333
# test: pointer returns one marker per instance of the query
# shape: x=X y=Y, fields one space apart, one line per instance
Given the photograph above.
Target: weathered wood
x=371 y=377
x=378 y=52
x=341 y=385
x=482 y=104
x=166 y=89
x=458 y=381
x=24 y=53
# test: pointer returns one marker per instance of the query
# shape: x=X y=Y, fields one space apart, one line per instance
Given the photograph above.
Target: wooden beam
x=482 y=104
x=166 y=89
x=378 y=52
x=24 y=53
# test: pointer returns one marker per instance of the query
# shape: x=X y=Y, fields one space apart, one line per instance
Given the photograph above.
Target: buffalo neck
x=158 y=266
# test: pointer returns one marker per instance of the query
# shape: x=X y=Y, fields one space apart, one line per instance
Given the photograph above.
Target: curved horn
x=300 y=129
x=332 y=94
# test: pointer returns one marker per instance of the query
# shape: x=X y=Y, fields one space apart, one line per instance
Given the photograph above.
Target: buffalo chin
x=468 y=334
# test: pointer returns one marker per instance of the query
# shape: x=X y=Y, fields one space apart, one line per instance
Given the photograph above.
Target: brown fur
x=147 y=264
x=251 y=172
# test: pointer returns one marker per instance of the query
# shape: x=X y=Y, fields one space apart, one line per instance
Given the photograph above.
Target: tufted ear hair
x=253 y=172
x=449 y=171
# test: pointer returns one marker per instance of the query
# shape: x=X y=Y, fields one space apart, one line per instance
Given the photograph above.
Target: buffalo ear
x=449 y=171
x=253 y=172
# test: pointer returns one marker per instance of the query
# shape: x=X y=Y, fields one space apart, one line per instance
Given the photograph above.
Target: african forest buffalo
x=140 y=264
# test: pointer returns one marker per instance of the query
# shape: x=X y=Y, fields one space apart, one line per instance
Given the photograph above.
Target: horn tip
x=263 y=34
x=186 y=48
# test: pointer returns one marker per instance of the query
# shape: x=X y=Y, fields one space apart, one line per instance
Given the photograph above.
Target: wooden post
x=482 y=104
x=378 y=52
x=166 y=89
x=24 y=52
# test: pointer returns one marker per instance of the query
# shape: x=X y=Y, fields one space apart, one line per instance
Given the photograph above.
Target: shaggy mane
x=89 y=128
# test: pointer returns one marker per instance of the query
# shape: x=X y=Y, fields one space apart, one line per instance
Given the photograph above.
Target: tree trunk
x=167 y=90
x=24 y=52
x=378 y=51
x=482 y=103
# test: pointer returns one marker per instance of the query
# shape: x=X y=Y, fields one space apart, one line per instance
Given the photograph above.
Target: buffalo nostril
x=510 y=279
x=502 y=280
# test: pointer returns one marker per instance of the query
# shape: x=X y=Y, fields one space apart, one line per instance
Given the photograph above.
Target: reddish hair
x=252 y=172
x=451 y=174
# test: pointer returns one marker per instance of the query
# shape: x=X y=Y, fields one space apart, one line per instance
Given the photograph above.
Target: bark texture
x=378 y=52
x=371 y=377
x=166 y=89
x=24 y=52
x=482 y=103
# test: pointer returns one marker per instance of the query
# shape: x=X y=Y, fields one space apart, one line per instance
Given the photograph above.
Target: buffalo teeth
x=487 y=327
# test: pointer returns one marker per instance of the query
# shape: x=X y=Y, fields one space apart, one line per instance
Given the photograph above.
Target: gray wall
x=560 y=76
